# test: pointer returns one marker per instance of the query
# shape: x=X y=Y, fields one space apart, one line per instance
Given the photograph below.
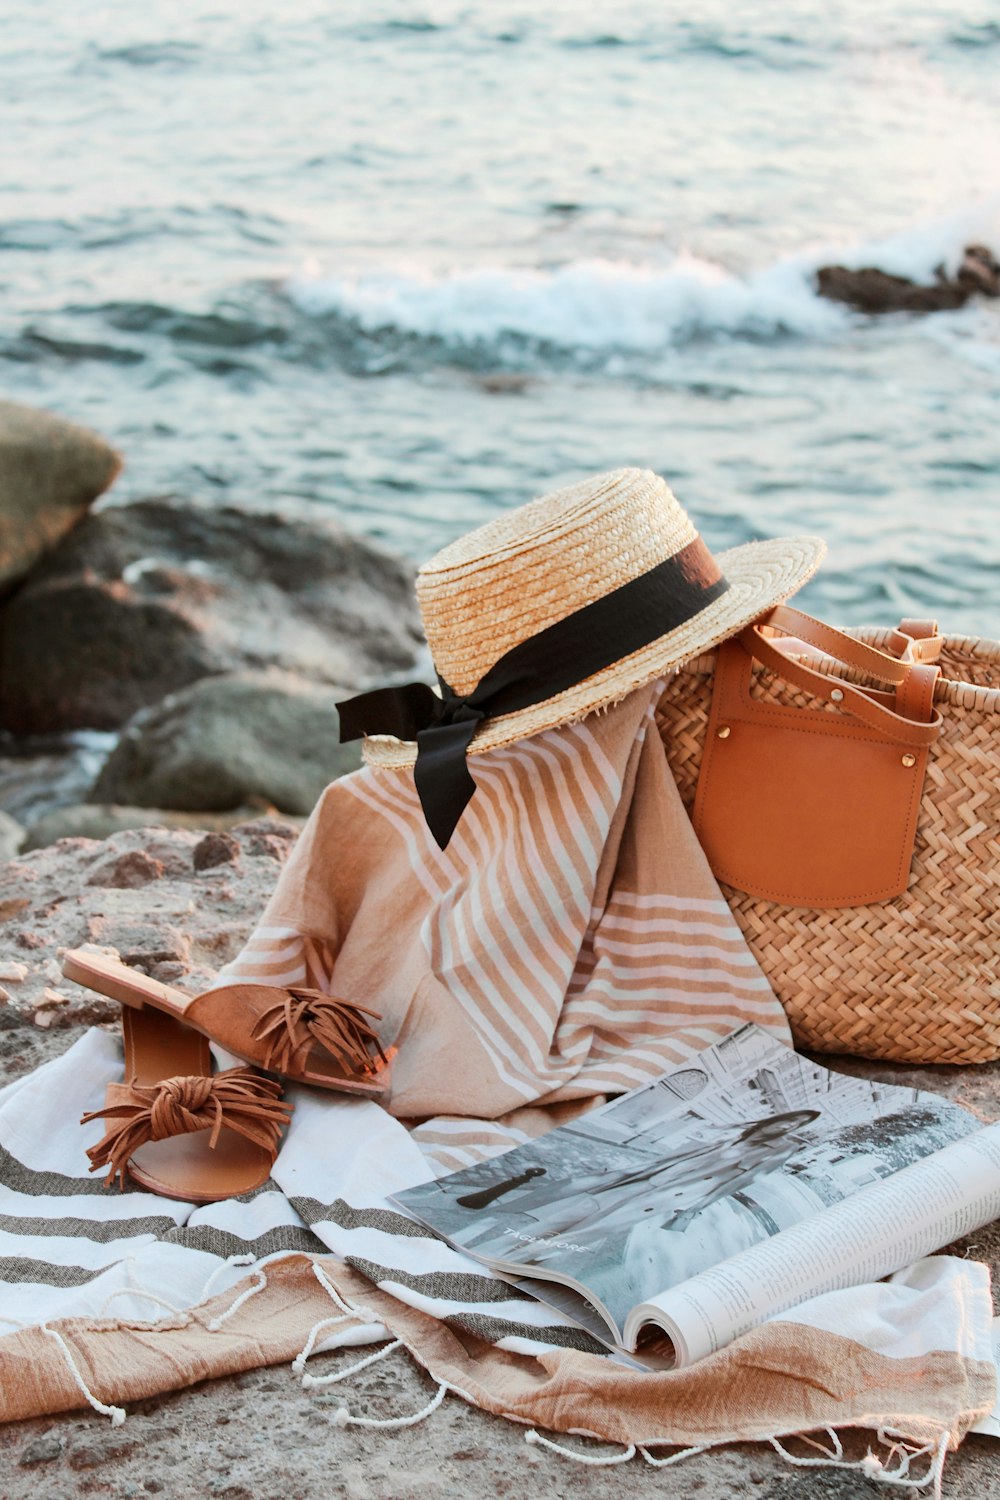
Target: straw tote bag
x=855 y=830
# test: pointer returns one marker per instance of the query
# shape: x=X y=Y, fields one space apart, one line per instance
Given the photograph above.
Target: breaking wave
x=603 y=307
x=588 y=305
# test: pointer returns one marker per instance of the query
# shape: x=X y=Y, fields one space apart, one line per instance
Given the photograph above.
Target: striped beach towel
x=569 y=943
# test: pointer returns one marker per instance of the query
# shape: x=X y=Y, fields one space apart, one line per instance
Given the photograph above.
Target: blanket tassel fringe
x=872 y=1466
x=343 y=1417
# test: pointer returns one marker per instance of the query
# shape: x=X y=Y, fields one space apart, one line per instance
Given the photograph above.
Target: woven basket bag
x=915 y=978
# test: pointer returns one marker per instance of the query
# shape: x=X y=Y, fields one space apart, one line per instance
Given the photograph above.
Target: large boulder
x=50 y=471
x=227 y=741
x=142 y=600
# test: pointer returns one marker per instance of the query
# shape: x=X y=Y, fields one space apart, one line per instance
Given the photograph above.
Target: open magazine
x=745 y=1180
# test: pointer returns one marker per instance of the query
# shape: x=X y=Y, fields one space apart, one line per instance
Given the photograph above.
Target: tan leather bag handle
x=917 y=640
x=844 y=695
x=836 y=643
x=911 y=641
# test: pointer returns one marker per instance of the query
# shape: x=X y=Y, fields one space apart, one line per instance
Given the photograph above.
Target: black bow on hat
x=557 y=658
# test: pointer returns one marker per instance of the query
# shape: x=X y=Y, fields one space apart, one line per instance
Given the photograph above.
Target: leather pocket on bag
x=804 y=806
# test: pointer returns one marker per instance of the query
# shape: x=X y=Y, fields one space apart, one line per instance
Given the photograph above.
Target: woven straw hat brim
x=760 y=575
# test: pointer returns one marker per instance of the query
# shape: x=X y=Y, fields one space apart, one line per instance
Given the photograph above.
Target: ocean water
x=420 y=262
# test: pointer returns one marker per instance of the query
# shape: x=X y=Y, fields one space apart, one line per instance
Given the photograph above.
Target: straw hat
x=515 y=577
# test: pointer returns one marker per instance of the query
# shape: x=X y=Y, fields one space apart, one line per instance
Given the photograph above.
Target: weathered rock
x=873 y=291
x=147 y=894
x=91 y=820
x=979 y=271
x=226 y=740
x=144 y=599
x=11 y=836
x=216 y=849
x=127 y=872
x=100 y=1448
x=42 y=1451
x=50 y=471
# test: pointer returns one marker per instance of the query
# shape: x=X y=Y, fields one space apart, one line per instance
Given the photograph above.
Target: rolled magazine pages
x=871 y=1234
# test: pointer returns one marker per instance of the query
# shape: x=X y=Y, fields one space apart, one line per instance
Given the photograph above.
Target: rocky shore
x=178 y=902
x=191 y=654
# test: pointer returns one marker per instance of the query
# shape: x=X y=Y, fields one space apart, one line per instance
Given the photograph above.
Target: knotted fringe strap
x=238 y=1099
x=306 y=1018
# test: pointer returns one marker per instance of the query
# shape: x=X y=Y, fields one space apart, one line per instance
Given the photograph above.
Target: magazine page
x=877 y=1231
x=730 y=1147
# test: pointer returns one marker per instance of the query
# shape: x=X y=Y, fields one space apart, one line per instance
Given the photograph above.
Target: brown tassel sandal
x=177 y=1130
x=300 y=1033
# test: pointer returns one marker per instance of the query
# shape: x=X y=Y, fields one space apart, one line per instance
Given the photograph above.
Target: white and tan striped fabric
x=570 y=942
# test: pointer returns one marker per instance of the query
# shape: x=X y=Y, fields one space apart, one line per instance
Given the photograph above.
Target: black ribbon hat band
x=559 y=657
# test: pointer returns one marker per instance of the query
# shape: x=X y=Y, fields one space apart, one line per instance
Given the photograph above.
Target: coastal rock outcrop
x=177 y=903
x=141 y=600
x=51 y=470
x=97 y=820
x=873 y=291
x=224 y=741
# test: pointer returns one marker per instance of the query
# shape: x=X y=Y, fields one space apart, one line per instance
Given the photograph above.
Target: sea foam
x=606 y=306
x=590 y=305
